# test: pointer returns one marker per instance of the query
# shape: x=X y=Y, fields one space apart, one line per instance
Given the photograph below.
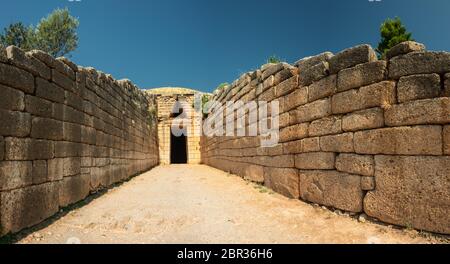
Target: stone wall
x=357 y=134
x=65 y=131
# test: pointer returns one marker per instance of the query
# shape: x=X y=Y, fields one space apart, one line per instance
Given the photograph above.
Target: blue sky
x=202 y=43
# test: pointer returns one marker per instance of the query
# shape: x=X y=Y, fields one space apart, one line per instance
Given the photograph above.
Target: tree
x=393 y=32
x=56 y=34
x=19 y=35
x=273 y=59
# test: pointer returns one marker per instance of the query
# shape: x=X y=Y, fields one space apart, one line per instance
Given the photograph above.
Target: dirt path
x=199 y=204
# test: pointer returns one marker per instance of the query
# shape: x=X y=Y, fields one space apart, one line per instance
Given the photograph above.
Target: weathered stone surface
x=287 y=86
x=311 y=144
x=14 y=123
x=404 y=48
x=2 y=148
x=418 y=140
x=447 y=85
x=294 y=132
x=16 y=78
x=311 y=111
x=332 y=188
x=44 y=128
x=364 y=119
x=22 y=208
x=65 y=149
x=356 y=164
x=3 y=57
x=351 y=57
x=325 y=126
x=322 y=88
x=63 y=68
x=402 y=185
x=15 y=174
x=418 y=63
x=315 y=161
x=74 y=189
x=49 y=91
x=72 y=132
x=292 y=147
x=271 y=69
x=429 y=111
x=63 y=81
x=368 y=183
x=361 y=75
x=55 y=169
x=283 y=181
x=69 y=63
x=315 y=73
x=375 y=95
x=309 y=62
x=38 y=107
x=281 y=161
x=28 y=149
x=72 y=166
x=296 y=98
x=446 y=134
x=254 y=173
x=40 y=172
x=43 y=57
x=20 y=59
x=421 y=86
x=11 y=99
x=337 y=143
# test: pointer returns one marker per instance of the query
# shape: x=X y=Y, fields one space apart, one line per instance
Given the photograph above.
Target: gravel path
x=199 y=204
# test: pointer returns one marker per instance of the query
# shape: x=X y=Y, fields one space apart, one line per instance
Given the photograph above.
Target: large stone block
x=418 y=63
x=404 y=48
x=418 y=140
x=446 y=135
x=283 y=181
x=63 y=81
x=43 y=57
x=38 y=107
x=11 y=99
x=281 y=161
x=313 y=74
x=72 y=132
x=254 y=173
x=331 y=188
x=337 y=143
x=364 y=119
x=22 y=208
x=2 y=148
x=351 y=57
x=29 y=63
x=315 y=161
x=429 y=111
x=404 y=186
x=375 y=95
x=15 y=174
x=3 y=57
x=65 y=149
x=325 y=126
x=356 y=164
x=311 y=111
x=421 y=86
x=49 y=91
x=447 y=85
x=322 y=88
x=71 y=166
x=14 y=123
x=40 y=172
x=361 y=75
x=294 y=132
x=55 y=169
x=292 y=147
x=311 y=144
x=296 y=98
x=286 y=87
x=45 y=128
x=309 y=62
x=28 y=149
x=74 y=189
x=16 y=78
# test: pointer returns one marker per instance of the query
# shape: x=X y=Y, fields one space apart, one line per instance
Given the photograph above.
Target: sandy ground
x=199 y=204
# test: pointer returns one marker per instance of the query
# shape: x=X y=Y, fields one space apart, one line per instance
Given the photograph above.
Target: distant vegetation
x=274 y=59
x=393 y=32
x=56 y=34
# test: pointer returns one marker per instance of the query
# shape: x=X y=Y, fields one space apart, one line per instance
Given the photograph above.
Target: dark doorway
x=178 y=149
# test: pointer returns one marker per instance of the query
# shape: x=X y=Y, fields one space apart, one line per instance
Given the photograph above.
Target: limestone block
x=16 y=78
x=74 y=101
x=63 y=81
x=368 y=183
x=43 y=57
x=287 y=86
x=447 y=85
x=322 y=88
x=74 y=189
x=313 y=74
x=55 y=169
x=351 y=57
x=331 y=188
x=254 y=173
x=22 y=208
x=364 y=119
x=11 y=99
x=418 y=63
x=2 y=148
x=44 y=128
x=309 y=62
x=72 y=132
x=40 y=172
x=311 y=111
x=65 y=149
x=15 y=174
x=294 y=132
x=315 y=161
x=311 y=144
x=421 y=86
x=292 y=147
x=28 y=149
x=446 y=135
x=337 y=143
x=49 y=91
x=296 y=98
x=71 y=166
x=428 y=111
x=20 y=59
x=14 y=123
x=325 y=126
x=356 y=164
x=402 y=183
x=418 y=140
x=361 y=75
x=283 y=181
x=282 y=161
x=69 y=63
x=404 y=48
x=38 y=107
x=375 y=95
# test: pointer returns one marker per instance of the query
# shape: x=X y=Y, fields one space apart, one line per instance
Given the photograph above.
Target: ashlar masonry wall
x=357 y=133
x=65 y=131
